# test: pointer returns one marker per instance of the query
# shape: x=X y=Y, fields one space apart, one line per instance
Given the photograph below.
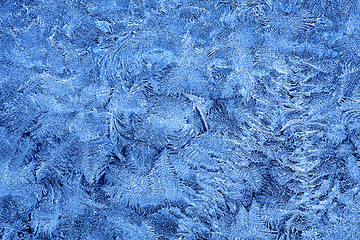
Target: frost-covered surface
x=177 y=119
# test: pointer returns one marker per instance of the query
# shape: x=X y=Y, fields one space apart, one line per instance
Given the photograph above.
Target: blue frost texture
x=180 y=119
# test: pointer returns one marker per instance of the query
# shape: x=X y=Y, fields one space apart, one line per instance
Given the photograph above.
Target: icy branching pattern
x=180 y=119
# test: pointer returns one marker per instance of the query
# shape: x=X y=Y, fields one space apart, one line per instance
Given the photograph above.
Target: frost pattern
x=180 y=119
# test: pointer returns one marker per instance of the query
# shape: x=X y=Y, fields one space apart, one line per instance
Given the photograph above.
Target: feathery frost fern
x=213 y=120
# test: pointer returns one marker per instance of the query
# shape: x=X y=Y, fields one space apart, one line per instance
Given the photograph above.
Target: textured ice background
x=177 y=119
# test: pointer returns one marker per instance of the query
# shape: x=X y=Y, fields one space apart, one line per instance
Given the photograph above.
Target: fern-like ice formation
x=180 y=119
